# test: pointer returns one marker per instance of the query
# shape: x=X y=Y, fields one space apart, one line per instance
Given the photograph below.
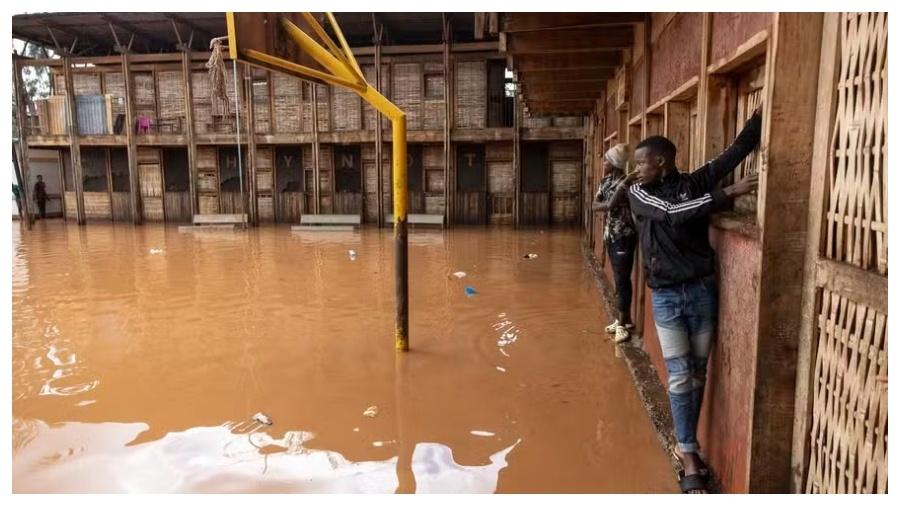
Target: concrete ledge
x=207 y=228
x=651 y=391
x=420 y=219
x=322 y=228
x=330 y=219
x=219 y=219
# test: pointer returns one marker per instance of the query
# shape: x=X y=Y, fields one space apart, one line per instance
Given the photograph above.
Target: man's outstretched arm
x=656 y=209
x=707 y=176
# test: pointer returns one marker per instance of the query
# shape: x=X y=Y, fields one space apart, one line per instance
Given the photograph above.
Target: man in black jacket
x=672 y=210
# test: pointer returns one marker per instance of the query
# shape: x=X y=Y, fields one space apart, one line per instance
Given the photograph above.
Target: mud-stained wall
x=728 y=406
x=675 y=54
x=731 y=29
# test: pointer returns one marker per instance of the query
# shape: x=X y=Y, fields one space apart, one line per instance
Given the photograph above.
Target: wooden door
x=535 y=186
x=347 y=180
x=471 y=185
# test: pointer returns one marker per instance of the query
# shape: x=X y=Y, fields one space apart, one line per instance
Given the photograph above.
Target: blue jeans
x=685 y=317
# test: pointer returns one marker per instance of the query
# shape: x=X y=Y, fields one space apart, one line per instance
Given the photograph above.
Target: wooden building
x=797 y=390
x=797 y=395
x=149 y=142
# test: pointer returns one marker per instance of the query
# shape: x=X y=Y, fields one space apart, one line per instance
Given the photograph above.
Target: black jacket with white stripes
x=672 y=214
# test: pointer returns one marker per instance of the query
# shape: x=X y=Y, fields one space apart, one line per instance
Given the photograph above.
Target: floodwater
x=141 y=355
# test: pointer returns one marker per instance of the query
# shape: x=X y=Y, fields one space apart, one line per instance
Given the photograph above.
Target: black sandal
x=692 y=483
x=704 y=469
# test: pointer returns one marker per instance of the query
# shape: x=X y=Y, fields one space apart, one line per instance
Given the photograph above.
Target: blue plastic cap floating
x=470 y=291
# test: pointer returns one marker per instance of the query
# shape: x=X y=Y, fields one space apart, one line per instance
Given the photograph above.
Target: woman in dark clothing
x=619 y=236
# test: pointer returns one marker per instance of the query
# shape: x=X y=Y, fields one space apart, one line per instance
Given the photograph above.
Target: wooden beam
x=251 y=145
x=436 y=49
x=448 y=118
x=829 y=67
x=517 y=160
x=190 y=24
x=789 y=114
x=379 y=135
x=530 y=89
x=317 y=206
x=187 y=75
x=22 y=173
x=74 y=146
x=129 y=27
x=479 y=24
x=566 y=75
x=134 y=177
x=518 y=22
x=550 y=63
x=562 y=94
x=580 y=40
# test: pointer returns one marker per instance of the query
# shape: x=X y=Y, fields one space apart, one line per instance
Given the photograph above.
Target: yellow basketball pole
x=345 y=72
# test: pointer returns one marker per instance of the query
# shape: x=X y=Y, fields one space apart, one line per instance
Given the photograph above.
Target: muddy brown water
x=140 y=356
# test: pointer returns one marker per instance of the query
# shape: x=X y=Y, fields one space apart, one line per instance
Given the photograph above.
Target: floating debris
x=371 y=411
x=355 y=429
x=482 y=433
x=501 y=369
x=530 y=256
x=459 y=274
x=470 y=291
x=352 y=254
x=261 y=418
x=155 y=251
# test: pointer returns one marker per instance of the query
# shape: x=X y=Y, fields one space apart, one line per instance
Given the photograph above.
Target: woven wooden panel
x=346 y=109
x=433 y=93
x=498 y=151
x=59 y=83
x=323 y=93
x=306 y=115
x=500 y=177
x=206 y=158
x=114 y=84
x=144 y=95
x=200 y=98
x=434 y=204
x=568 y=121
x=565 y=150
x=148 y=155
x=471 y=94
x=407 y=92
x=171 y=94
x=97 y=205
x=71 y=206
x=536 y=122
x=848 y=450
x=286 y=103
x=151 y=179
x=261 y=108
x=209 y=204
x=86 y=84
x=266 y=208
x=750 y=95
x=564 y=176
x=856 y=219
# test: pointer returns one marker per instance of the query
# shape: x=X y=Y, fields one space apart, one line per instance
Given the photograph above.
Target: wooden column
x=829 y=67
x=74 y=145
x=517 y=159
x=788 y=132
x=448 y=118
x=189 y=120
x=379 y=137
x=134 y=177
x=22 y=170
x=703 y=87
x=317 y=207
x=251 y=145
